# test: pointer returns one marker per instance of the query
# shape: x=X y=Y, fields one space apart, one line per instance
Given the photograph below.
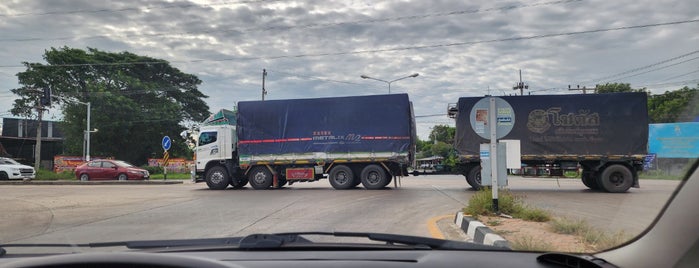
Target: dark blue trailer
x=605 y=135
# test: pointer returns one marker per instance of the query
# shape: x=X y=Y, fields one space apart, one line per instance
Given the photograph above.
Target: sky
x=321 y=48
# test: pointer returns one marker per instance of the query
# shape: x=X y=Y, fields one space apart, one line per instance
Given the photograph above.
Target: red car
x=110 y=169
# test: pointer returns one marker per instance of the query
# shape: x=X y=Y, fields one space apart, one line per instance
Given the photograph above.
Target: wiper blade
x=278 y=240
x=418 y=242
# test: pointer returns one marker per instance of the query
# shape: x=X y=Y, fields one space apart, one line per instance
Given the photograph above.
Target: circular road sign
x=505 y=118
x=167 y=143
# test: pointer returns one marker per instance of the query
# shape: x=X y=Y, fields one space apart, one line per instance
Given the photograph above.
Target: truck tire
x=341 y=177
x=615 y=179
x=474 y=178
x=260 y=178
x=217 y=178
x=374 y=177
x=589 y=178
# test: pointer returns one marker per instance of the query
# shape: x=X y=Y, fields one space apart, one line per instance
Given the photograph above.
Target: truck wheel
x=474 y=178
x=374 y=177
x=341 y=177
x=217 y=178
x=260 y=178
x=615 y=179
x=590 y=180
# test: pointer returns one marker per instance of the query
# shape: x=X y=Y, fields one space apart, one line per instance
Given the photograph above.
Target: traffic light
x=46 y=97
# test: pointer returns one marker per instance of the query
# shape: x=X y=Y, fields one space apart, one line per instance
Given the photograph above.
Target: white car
x=12 y=170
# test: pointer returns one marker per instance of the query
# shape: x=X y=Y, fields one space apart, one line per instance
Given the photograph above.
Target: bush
x=153 y=169
x=481 y=203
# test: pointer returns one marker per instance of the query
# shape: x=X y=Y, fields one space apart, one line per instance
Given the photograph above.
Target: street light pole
x=87 y=132
x=389 y=82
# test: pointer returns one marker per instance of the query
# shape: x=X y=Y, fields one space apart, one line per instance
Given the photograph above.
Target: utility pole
x=521 y=86
x=584 y=89
x=264 y=91
x=44 y=99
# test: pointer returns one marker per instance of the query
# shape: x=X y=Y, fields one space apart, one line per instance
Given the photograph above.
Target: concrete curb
x=480 y=233
x=60 y=182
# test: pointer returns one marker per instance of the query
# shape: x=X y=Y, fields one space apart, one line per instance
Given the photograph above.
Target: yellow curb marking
x=433 y=228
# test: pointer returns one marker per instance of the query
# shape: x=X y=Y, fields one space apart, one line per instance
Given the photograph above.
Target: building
x=18 y=140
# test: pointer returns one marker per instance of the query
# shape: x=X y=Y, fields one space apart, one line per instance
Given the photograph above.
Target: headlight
x=134 y=171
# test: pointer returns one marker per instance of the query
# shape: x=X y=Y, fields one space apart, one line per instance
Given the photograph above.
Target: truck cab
x=215 y=145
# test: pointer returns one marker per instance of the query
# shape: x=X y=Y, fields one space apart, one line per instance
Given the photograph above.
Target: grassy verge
x=482 y=204
x=171 y=176
x=658 y=175
x=528 y=243
x=589 y=235
x=48 y=175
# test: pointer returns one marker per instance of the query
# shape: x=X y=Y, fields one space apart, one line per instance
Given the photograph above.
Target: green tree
x=136 y=100
x=443 y=133
x=674 y=106
x=617 y=87
x=441 y=149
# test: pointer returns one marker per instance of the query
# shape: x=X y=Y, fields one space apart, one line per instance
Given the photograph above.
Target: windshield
x=558 y=125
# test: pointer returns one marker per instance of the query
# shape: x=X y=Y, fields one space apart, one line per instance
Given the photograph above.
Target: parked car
x=13 y=170
x=110 y=169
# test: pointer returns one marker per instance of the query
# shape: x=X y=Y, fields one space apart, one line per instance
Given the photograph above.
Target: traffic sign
x=504 y=118
x=166 y=143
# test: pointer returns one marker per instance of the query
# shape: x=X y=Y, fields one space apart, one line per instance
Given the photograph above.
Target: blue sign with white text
x=674 y=140
x=166 y=143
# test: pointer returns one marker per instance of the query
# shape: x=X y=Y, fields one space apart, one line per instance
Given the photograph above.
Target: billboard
x=674 y=140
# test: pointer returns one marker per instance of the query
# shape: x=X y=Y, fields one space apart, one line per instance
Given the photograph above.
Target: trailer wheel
x=474 y=178
x=217 y=178
x=615 y=179
x=260 y=178
x=374 y=177
x=341 y=177
x=590 y=180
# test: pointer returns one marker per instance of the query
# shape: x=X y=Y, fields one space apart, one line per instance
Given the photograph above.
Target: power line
x=368 y=51
x=313 y=25
x=641 y=68
x=678 y=76
x=133 y=8
x=656 y=69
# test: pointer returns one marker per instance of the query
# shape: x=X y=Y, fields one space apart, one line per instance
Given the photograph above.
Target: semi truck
x=366 y=140
x=604 y=135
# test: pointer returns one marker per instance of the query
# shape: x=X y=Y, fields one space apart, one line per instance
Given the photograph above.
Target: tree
x=443 y=133
x=674 y=106
x=136 y=100
x=617 y=87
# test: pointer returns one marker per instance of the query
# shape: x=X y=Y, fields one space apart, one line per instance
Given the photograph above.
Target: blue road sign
x=166 y=143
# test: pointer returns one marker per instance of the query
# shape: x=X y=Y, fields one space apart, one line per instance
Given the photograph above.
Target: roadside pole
x=492 y=110
x=166 y=142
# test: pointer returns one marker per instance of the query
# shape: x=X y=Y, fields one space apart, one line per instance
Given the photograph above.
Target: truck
x=603 y=135
x=368 y=140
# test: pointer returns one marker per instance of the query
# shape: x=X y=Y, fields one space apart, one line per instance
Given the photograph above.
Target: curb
x=480 y=233
x=59 y=182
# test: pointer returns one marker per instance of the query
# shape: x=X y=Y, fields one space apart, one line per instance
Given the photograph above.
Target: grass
x=48 y=175
x=528 y=243
x=658 y=175
x=171 y=176
x=481 y=203
x=598 y=239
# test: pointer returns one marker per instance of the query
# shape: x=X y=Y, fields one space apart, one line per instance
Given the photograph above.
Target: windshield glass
x=558 y=125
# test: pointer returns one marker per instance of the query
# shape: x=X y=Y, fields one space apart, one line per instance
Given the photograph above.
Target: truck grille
x=26 y=171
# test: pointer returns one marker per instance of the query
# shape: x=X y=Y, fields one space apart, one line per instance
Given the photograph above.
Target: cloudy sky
x=321 y=48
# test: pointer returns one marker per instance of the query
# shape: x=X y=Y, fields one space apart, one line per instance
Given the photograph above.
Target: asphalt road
x=89 y=213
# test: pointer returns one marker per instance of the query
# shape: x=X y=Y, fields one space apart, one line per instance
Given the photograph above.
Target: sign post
x=167 y=143
x=492 y=118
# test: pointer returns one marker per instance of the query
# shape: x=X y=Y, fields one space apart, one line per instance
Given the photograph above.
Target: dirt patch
x=534 y=236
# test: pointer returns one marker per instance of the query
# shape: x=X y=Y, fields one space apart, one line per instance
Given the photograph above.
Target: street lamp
x=389 y=82
x=87 y=131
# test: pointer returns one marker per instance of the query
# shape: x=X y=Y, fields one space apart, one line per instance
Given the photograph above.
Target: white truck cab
x=215 y=145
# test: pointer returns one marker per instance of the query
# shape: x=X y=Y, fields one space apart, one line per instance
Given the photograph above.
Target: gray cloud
x=216 y=42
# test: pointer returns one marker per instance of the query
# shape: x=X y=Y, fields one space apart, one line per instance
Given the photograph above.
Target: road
x=78 y=214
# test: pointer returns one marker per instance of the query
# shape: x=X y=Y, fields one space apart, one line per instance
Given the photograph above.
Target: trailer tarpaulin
x=365 y=124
